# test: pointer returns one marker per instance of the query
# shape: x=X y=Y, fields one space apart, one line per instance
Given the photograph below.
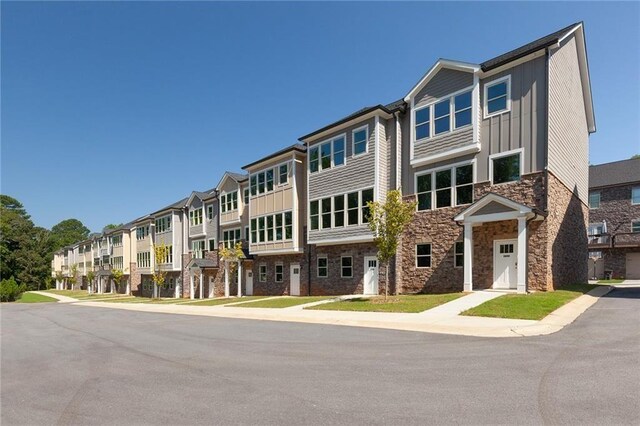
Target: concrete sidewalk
x=445 y=320
x=61 y=299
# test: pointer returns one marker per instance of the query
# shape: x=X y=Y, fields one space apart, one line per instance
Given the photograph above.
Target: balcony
x=626 y=239
x=598 y=241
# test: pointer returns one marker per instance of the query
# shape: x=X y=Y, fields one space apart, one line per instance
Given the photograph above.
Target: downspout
x=308 y=265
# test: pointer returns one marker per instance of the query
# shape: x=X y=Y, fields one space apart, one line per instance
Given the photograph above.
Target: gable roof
x=440 y=64
x=173 y=206
x=239 y=178
x=615 y=173
x=295 y=147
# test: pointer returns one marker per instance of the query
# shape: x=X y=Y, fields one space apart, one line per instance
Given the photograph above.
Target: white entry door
x=294 y=278
x=505 y=264
x=248 y=280
x=370 y=275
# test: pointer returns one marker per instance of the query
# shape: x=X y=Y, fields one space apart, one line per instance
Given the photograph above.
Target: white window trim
x=346 y=209
x=599 y=199
x=366 y=141
x=287 y=163
x=275 y=272
x=632 y=188
x=209 y=244
x=284 y=227
x=430 y=256
x=342 y=267
x=485 y=102
x=519 y=151
x=455 y=254
x=632 y=222
x=260 y=266
x=318 y=266
x=452 y=107
x=319 y=144
x=432 y=172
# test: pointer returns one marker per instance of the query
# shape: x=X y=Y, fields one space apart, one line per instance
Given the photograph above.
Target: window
x=245 y=200
x=326 y=213
x=260 y=183
x=464 y=185
x=229 y=202
x=338 y=211
x=261 y=230
x=283 y=174
x=288 y=225
x=223 y=203
x=635 y=195
x=212 y=245
x=117 y=262
x=422 y=122
x=116 y=241
x=635 y=226
x=441 y=115
x=231 y=237
x=163 y=224
x=594 y=200
x=458 y=254
x=210 y=212
x=424 y=191
x=352 y=208
x=269 y=179
x=338 y=152
x=325 y=155
x=367 y=196
x=496 y=95
x=253 y=184
x=313 y=214
x=254 y=230
x=197 y=249
x=423 y=255
x=462 y=108
x=328 y=154
x=262 y=273
x=346 y=263
x=313 y=160
x=246 y=233
x=323 y=267
x=279 y=273
x=269 y=220
x=595 y=254
x=144 y=259
x=506 y=168
x=171 y=286
x=168 y=257
x=443 y=188
x=195 y=217
x=360 y=140
x=278 y=230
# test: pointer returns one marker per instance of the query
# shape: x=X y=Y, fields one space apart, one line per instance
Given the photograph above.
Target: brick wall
x=270 y=286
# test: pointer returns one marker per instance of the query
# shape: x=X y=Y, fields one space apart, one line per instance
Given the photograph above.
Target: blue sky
x=112 y=110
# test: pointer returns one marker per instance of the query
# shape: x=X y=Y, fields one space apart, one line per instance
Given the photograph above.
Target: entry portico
x=198 y=267
x=494 y=208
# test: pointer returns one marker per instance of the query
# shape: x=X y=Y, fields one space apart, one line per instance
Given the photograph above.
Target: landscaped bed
x=407 y=304
x=283 y=302
x=534 y=306
x=35 y=298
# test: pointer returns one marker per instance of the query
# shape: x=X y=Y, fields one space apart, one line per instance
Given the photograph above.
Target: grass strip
x=403 y=304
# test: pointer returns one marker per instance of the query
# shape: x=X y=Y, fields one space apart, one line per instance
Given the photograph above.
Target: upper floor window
x=212 y=244
x=142 y=232
x=331 y=213
x=275 y=227
x=245 y=199
x=231 y=237
x=197 y=248
x=360 y=137
x=635 y=226
x=229 y=202
x=262 y=182
x=445 y=188
x=423 y=123
x=441 y=115
x=283 y=174
x=505 y=167
x=163 y=224
x=594 y=200
x=210 y=211
x=497 y=96
x=195 y=217
x=462 y=106
x=447 y=114
x=116 y=240
x=327 y=154
x=635 y=195
x=167 y=257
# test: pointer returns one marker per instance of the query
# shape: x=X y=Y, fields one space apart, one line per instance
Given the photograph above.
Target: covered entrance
x=197 y=282
x=509 y=255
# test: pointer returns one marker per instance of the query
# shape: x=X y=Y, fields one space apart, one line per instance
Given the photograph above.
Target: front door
x=505 y=264
x=370 y=275
x=294 y=278
x=249 y=282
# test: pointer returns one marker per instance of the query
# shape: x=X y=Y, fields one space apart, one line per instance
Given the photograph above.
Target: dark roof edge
x=295 y=147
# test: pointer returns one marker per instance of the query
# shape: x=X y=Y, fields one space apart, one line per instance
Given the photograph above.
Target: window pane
x=325 y=155
x=313 y=160
x=635 y=196
x=353 y=200
x=424 y=262
x=442 y=125
x=443 y=198
x=313 y=207
x=497 y=90
x=338 y=152
x=464 y=174
x=463 y=101
x=270 y=180
x=497 y=105
x=464 y=194
x=423 y=249
x=422 y=115
x=326 y=213
x=278 y=227
x=367 y=195
x=422 y=131
x=506 y=169
x=353 y=216
x=284 y=175
x=443 y=179
x=424 y=201
x=463 y=118
x=441 y=109
x=424 y=183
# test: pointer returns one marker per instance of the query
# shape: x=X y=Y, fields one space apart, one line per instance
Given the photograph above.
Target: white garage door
x=633 y=266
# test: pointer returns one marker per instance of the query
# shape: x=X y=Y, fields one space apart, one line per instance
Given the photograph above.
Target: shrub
x=10 y=290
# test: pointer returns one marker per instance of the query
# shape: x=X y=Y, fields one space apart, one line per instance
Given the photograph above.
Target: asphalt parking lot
x=66 y=364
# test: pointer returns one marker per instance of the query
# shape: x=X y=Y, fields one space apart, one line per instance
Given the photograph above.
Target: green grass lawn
x=613 y=281
x=534 y=306
x=223 y=301
x=283 y=302
x=69 y=293
x=35 y=298
x=84 y=295
x=407 y=304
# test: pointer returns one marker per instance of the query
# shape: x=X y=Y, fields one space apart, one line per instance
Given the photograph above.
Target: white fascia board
x=321 y=136
x=441 y=63
x=518 y=209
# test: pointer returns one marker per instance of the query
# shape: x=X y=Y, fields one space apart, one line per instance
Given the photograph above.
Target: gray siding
x=491 y=208
x=357 y=173
x=211 y=225
x=446 y=142
x=524 y=125
x=568 y=134
x=383 y=161
x=334 y=233
x=409 y=178
x=198 y=229
x=446 y=81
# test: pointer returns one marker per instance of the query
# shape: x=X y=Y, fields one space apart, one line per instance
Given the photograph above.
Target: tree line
x=26 y=250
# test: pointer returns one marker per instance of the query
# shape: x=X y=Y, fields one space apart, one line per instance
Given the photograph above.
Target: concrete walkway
x=443 y=319
x=62 y=299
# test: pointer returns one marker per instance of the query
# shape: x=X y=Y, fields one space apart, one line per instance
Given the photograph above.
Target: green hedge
x=10 y=291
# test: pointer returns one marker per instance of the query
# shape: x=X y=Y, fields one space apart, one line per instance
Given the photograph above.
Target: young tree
x=117 y=275
x=387 y=221
x=60 y=277
x=73 y=279
x=90 y=277
x=231 y=256
x=159 y=276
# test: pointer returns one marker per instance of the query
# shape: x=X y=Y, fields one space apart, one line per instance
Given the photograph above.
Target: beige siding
x=568 y=134
x=229 y=186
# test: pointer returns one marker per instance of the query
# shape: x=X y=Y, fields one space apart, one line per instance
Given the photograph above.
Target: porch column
x=178 y=287
x=239 y=279
x=211 y=287
x=128 y=289
x=201 y=286
x=226 y=279
x=468 y=257
x=522 y=255
x=191 y=289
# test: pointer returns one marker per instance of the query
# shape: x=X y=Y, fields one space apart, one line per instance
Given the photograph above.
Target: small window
x=506 y=169
x=260 y=183
x=347 y=267
x=352 y=205
x=462 y=105
x=269 y=228
x=326 y=213
x=422 y=123
x=635 y=226
x=269 y=179
x=338 y=211
x=323 y=267
x=246 y=197
x=359 y=141
x=288 y=225
x=171 y=285
x=279 y=274
x=246 y=233
x=635 y=195
x=314 y=214
x=497 y=97
x=254 y=230
x=458 y=253
x=261 y=230
x=210 y=211
x=443 y=188
x=594 y=200
x=338 y=151
x=262 y=273
x=313 y=160
x=325 y=156
x=212 y=244
x=423 y=255
x=464 y=185
x=424 y=191
x=283 y=174
x=595 y=254
x=253 y=184
x=367 y=196
x=279 y=234
x=441 y=117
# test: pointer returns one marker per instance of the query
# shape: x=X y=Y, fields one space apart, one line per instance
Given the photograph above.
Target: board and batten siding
x=357 y=172
x=211 y=225
x=384 y=162
x=196 y=204
x=568 y=130
x=523 y=126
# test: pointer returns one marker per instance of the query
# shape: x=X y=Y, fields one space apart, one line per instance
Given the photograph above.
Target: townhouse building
x=614 y=220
